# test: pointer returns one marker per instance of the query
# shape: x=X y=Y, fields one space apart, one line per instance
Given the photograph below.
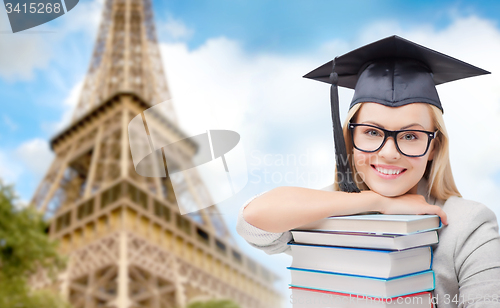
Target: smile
x=388 y=173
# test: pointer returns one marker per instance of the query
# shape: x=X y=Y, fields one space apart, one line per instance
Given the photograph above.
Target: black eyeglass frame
x=393 y=134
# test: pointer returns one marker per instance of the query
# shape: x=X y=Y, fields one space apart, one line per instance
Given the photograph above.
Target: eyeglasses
x=409 y=142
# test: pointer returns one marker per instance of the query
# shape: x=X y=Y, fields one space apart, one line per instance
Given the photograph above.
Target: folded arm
x=477 y=260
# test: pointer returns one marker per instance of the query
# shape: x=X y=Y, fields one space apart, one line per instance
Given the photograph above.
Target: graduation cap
x=392 y=72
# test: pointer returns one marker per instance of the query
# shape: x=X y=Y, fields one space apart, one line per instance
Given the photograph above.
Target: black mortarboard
x=393 y=72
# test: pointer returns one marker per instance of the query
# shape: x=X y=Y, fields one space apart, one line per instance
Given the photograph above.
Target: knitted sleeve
x=269 y=242
x=477 y=259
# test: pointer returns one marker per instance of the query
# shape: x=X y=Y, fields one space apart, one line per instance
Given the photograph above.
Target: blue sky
x=297 y=26
x=249 y=57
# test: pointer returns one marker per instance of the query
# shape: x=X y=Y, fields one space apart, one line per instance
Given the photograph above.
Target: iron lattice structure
x=127 y=243
x=126 y=58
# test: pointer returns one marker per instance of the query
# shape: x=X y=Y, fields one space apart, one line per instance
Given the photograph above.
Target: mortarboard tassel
x=344 y=173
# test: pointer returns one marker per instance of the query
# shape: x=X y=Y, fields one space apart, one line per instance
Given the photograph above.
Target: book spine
x=432 y=256
x=360 y=276
x=433 y=280
x=348 y=294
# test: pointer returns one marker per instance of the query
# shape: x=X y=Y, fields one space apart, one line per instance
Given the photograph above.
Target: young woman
x=397 y=147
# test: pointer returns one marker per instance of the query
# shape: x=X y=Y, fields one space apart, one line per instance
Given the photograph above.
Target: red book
x=310 y=298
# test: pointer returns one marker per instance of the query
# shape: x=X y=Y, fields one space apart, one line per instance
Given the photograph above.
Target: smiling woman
x=392 y=166
x=392 y=158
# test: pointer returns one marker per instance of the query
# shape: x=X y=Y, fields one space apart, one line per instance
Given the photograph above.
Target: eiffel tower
x=127 y=244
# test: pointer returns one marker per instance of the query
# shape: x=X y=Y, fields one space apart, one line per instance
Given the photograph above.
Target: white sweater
x=269 y=242
x=466 y=261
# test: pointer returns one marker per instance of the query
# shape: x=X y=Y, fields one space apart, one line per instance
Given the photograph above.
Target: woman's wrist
x=354 y=203
x=374 y=201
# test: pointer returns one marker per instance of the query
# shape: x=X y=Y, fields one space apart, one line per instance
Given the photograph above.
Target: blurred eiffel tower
x=127 y=243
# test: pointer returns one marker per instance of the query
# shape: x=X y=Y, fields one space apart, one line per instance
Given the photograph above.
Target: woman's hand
x=410 y=204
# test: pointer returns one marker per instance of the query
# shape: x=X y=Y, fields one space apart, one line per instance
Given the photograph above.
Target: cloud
x=10 y=170
x=68 y=107
x=25 y=52
x=21 y=53
x=24 y=166
x=35 y=156
x=263 y=98
x=31 y=158
x=174 y=29
x=219 y=85
x=85 y=17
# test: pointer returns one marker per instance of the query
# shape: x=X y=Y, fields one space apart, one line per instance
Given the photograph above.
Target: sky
x=244 y=61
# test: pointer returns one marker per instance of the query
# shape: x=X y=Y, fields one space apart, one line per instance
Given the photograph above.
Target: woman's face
x=388 y=157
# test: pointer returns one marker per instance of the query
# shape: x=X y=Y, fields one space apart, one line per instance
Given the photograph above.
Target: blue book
x=363 y=285
x=361 y=262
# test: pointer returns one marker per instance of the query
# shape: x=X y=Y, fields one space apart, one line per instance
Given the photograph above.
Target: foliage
x=213 y=304
x=24 y=249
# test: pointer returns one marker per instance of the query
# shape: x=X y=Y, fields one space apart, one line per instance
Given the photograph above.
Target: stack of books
x=370 y=260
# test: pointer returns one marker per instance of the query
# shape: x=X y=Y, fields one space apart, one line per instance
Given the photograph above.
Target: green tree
x=214 y=304
x=24 y=249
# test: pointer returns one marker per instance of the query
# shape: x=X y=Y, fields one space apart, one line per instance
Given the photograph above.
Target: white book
x=376 y=223
x=363 y=262
x=365 y=239
x=363 y=286
x=309 y=298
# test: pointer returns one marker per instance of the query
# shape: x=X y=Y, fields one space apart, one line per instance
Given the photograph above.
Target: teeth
x=387 y=171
